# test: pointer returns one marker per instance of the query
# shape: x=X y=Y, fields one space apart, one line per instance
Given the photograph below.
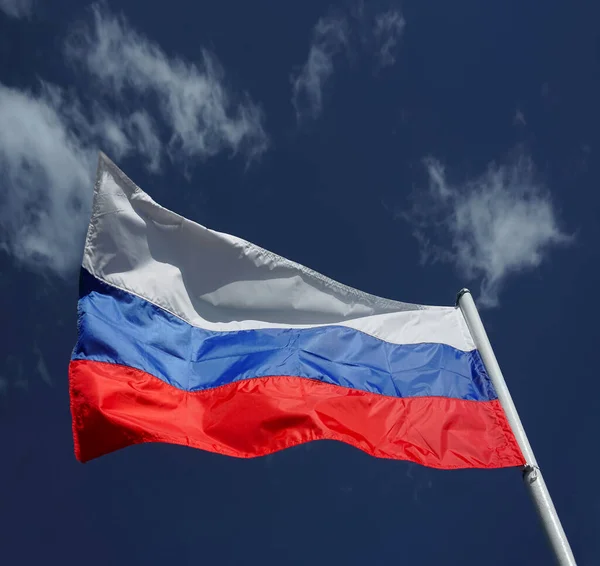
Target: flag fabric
x=195 y=337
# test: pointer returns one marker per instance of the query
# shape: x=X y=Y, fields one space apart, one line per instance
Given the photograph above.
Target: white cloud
x=378 y=32
x=45 y=182
x=330 y=35
x=48 y=153
x=387 y=31
x=111 y=130
x=141 y=127
x=490 y=227
x=93 y=123
x=201 y=113
x=49 y=139
x=16 y=8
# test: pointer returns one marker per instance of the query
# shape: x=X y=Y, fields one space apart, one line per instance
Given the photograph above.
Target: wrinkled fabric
x=116 y=406
x=220 y=282
x=119 y=327
x=199 y=338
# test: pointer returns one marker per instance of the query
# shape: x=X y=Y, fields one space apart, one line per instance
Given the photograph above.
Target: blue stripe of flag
x=118 y=327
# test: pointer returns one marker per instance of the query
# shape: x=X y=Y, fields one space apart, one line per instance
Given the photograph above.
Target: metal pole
x=532 y=475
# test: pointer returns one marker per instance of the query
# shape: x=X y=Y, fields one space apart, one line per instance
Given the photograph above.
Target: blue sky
x=404 y=149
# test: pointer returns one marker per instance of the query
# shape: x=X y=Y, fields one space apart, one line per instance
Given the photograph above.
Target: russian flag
x=199 y=338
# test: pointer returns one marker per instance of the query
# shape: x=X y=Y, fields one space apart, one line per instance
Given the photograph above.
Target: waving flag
x=195 y=337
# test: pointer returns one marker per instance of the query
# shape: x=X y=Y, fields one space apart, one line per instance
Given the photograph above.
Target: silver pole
x=532 y=475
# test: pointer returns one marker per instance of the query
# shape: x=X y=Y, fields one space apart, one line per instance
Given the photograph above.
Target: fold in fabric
x=195 y=337
x=119 y=327
x=116 y=406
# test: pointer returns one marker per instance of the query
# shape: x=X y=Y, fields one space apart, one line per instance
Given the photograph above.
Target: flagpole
x=532 y=475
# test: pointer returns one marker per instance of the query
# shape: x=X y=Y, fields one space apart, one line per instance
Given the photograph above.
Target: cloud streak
x=202 y=115
x=48 y=153
x=378 y=32
x=330 y=36
x=490 y=228
x=16 y=8
x=49 y=137
x=387 y=30
x=46 y=175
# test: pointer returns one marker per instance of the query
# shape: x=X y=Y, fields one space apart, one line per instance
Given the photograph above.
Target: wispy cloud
x=48 y=152
x=378 y=32
x=49 y=137
x=491 y=227
x=203 y=116
x=387 y=31
x=46 y=175
x=16 y=8
x=140 y=126
x=330 y=35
